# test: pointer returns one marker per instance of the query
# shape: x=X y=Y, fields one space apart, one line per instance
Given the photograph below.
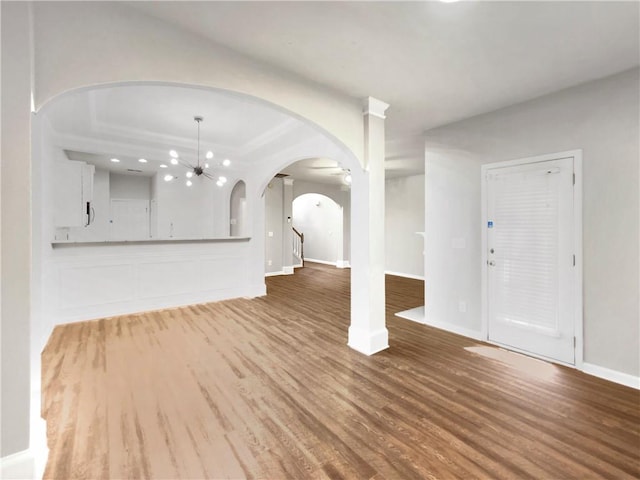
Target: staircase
x=298 y=247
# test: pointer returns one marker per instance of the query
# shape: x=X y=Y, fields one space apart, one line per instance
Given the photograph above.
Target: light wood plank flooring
x=267 y=388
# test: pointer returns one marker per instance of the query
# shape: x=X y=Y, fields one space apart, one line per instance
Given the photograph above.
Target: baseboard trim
x=414 y=314
x=298 y=265
x=324 y=262
x=343 y=264
x=274 y=274
x=18 y=466
x=450 y=327
x=611 y=375
x=367 y=341
x=288 y=270
x=405 y=275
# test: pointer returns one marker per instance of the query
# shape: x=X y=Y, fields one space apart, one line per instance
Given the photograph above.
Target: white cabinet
x=73 y=193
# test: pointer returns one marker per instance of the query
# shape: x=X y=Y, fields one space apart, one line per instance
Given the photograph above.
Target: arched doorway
x=238 y=209
x=321 y=220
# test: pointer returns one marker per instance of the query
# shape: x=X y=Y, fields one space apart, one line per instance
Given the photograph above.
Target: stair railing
x=298 y=245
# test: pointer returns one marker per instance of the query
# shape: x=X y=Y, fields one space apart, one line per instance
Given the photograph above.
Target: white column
x=344 y=247
x=368 y=333
x=287 y=234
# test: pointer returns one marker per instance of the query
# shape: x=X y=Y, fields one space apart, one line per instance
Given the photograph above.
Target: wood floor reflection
x=267 y=388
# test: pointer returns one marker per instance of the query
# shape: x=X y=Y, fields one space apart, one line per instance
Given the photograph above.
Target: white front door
x=530 y=258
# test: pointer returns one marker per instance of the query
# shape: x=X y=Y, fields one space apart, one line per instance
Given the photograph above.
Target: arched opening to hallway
x=320 y=219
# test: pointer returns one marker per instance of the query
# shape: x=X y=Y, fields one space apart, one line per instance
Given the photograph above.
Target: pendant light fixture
x=198 y=169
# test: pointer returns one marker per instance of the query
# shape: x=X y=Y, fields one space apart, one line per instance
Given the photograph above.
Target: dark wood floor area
x=267 y=388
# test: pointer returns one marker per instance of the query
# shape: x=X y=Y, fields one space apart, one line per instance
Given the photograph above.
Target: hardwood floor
x=267 y=388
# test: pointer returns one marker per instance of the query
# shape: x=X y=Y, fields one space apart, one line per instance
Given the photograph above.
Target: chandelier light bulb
x=206 y=165
x=189 y=183
x=226 y=162
x=174 y=161
x=219 y=183
x=189 y=174
x=162 y=165
x=173 y=154
x=168 y=178
x=209 y=155
x=222 y=180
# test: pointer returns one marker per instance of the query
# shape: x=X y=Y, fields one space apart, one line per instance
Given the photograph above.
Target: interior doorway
x=321 y=220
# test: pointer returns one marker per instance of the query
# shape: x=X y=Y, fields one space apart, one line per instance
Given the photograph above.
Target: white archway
x=319 y=218
x=37 y=80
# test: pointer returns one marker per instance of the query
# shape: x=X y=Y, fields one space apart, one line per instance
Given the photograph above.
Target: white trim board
x=611 y=375
x=274 y=274
x=315 y=260
x=413 y=314
x=405 y=275
x=418 y=315
x=18 y=466
x=452 y=328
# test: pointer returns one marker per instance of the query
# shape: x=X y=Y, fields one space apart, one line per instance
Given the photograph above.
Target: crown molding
x=375 y=107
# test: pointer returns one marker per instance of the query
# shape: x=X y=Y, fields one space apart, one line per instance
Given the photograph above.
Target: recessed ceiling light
x=206 y=165
x=226 y=162
x=168 y=178
x=219 y=183
x=209 y=155
x=115 y=160
x=189 y=174
x=142 y=160
x=173 y=154
x=174 y=161
x=222 y=179
x=162 y=165
x=189 y=183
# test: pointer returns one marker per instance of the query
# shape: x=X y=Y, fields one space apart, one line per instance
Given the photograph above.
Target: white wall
x=16 y=229
x=130 y=186
x=404 y=216
x=601 y=118
x=319 y=218
x=274 y=223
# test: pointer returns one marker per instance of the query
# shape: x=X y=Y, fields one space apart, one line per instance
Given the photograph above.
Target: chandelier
x=199 y=169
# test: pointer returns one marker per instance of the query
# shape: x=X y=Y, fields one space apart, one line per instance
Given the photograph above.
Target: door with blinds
x=530 y=258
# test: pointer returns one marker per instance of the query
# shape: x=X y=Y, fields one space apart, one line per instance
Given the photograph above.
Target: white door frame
x=577 y=246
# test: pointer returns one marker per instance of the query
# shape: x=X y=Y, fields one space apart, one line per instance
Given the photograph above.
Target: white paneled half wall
x=85 y=282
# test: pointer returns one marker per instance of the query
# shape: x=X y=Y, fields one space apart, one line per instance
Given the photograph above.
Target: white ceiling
x=434 y=62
